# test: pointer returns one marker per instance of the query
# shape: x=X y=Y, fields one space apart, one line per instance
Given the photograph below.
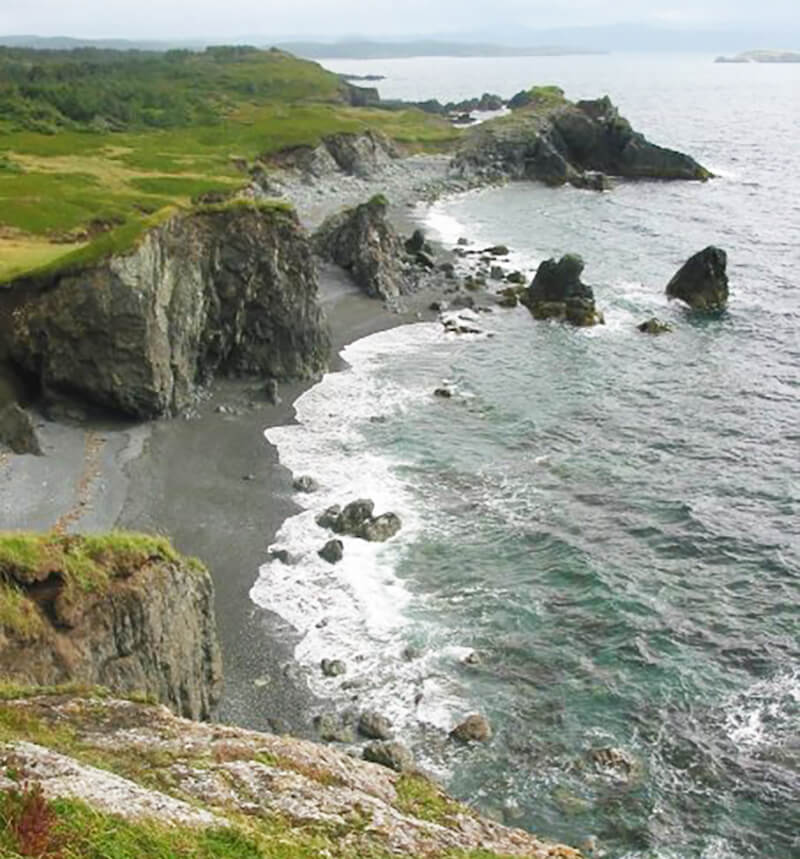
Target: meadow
x=97 y=146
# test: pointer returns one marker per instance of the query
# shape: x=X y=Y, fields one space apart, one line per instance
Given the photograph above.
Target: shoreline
x=211 y=482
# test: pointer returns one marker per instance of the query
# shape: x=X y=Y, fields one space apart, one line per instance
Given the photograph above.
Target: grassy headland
x=97 y=145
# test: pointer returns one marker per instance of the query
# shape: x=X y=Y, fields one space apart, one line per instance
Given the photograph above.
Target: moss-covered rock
x=119 y=610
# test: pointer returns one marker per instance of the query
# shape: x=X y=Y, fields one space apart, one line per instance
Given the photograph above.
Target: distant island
x=762 y=57
x=360 y=49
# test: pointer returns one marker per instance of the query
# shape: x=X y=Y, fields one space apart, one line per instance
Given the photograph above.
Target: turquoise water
x=610 y=521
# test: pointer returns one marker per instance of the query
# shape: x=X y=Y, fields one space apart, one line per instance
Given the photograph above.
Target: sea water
x=601 y=529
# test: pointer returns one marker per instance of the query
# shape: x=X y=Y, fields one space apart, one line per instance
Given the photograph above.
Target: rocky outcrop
x=232 y=291
x=17 y=431
x=364 y=243
x=654 y=326
x=702 y=281
x=125 y=612
x=556 y=142
x=235 y=791
x=356 y=520
x=365 y=155
x=557 y=292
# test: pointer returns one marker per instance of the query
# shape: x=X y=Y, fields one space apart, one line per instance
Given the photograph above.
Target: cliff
x=231 y=290
x=123 y=611
x=133 y=780
x=556 y=141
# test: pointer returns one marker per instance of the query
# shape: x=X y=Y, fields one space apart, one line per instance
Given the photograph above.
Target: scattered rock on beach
x=332 y=551
x=392 y=754
x=474 y=728
x=702 y=281
x=374 y=726
x=18 y=432
x=654 y=326
x=416 y=243
x=332 y=729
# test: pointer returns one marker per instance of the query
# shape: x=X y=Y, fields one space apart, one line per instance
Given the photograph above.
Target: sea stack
x=557 y=292
x=702 y=281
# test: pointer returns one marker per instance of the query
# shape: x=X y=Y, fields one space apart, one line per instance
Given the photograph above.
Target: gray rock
x=363 y=242
x=416 y=243
x=497 y=272
x=411 y=652
x=282 y=555
x=329 y=517
x=443 y=392
x=271 y=392
x=380 y=528
x=474 y=728
x=17 y=431
x=391 y=754
x=332 y=729
x=557 y=292
x=305 y=483
x=231 y=292
x=332 y=551
x=654 y=326
x=374 y=726
x=515 y=277
x=333 y=667
x=702 y=281
x=425 y=260
x=354 y=515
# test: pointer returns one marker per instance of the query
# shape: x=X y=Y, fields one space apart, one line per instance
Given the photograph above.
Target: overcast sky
x=175 y=19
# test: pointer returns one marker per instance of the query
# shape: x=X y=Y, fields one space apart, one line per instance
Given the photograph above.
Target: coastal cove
x=599 y=545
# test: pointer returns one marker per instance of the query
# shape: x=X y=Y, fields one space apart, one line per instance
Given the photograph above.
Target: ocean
x=601 y=541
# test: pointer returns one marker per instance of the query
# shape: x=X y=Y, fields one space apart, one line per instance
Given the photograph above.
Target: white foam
x=357 y=609
x=760 y=715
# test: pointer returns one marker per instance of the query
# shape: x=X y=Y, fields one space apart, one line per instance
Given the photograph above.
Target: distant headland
x=762 y=57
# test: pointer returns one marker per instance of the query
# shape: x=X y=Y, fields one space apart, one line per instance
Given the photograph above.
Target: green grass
x=422 y=798
x=102 y=138
x=83 y=565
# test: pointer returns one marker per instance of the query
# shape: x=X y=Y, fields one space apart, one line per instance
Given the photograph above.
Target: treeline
x=90 y=88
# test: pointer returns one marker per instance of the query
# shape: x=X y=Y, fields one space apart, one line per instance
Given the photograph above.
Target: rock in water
x=362 y=242
x=380 y=528
x=333 y=667
x=354 y=515
x=332 y=551
x=702 y=281
x=654 y=326
x=17 y=431
x=305 y=483
x=557 y=292
x=474 y=728
x=393 y=755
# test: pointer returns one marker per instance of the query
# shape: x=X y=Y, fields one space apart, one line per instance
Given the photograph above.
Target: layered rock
x=702 y=281
x=365 y=155
x=256 y=792
x=125 y=612
x=232 y=291
x=363 y=242
x=557 y=142
x=557 y=292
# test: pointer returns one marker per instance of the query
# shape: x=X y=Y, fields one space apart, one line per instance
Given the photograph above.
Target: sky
x=215 y=19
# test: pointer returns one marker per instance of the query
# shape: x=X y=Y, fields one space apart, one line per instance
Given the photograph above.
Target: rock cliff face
x=569 y=143
x=364 y=243
x=364 y=155
x=147 y=628
x=232 y=291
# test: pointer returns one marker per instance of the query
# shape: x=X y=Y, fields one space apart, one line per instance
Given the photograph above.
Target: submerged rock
x=702 y=281
x=474 y=728
x=305 y=483
x=557 y=292
x=333 y=667
x=654 y=326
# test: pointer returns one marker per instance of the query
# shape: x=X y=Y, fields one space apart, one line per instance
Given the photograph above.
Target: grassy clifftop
x=94 y=143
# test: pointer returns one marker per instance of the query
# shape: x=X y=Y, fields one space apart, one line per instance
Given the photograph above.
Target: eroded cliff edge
x=222 y=291
x=123 y=611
